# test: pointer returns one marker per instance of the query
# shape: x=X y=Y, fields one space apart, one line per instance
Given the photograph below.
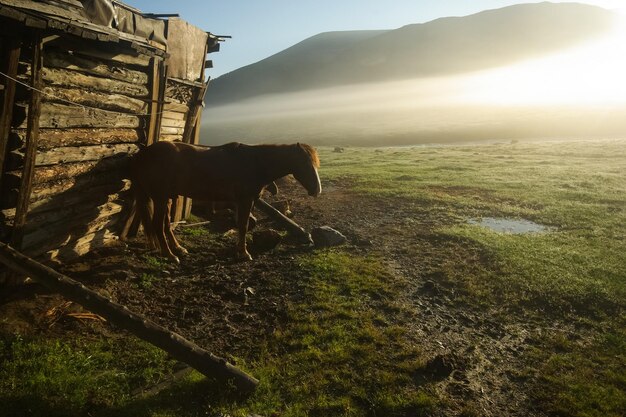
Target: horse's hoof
x=244 y=256
x=181 y=251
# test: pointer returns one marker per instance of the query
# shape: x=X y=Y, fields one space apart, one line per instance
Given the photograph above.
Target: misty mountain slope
x=444 y=46
x=284 y=71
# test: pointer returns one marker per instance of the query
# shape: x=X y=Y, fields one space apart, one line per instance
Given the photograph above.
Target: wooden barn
x=82 y=85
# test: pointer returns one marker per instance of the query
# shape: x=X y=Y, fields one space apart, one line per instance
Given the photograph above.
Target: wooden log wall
x=93 y=115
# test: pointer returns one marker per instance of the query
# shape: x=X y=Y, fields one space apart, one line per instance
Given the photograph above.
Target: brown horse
x=233 y=172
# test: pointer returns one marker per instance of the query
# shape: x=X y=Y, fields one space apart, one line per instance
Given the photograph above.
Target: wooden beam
x=174 y=344
x=286 y=222
x=32 y=135
x=11 y=57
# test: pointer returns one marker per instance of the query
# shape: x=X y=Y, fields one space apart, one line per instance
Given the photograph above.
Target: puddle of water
x=513 y=226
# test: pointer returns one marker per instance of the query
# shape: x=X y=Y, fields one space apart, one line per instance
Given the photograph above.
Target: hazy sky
x=263 y=28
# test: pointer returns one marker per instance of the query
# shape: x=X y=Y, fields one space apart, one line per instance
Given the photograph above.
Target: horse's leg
x=169 y=233
x=243 y=216
x=144 y=207
x=129 y=220
x=158 y=222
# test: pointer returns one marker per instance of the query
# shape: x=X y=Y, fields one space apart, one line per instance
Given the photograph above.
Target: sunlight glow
x=589 y=75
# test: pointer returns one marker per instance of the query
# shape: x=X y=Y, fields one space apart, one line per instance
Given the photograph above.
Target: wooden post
x=11 y=57
x=154 y=107
x=177 y=346
x=195 y=138
x=32 y=135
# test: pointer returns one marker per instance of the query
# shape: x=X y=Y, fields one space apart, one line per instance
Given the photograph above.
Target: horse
x=233 y=172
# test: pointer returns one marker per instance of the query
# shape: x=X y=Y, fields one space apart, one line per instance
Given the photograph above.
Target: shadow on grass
x=195 y=395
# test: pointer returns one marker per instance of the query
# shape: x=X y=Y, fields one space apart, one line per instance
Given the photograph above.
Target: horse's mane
x=312 y=153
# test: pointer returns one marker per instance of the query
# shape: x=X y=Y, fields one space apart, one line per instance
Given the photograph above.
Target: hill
x=444 y=46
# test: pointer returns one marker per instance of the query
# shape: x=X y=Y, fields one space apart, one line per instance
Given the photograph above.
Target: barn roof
x=103 y=20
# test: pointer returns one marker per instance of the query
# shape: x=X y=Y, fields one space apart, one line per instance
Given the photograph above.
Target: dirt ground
x=227 y=306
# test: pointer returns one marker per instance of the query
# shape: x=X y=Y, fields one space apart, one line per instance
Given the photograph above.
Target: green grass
x=340 y=352
x=575 y=273
x=52 y=377
x=575 y=187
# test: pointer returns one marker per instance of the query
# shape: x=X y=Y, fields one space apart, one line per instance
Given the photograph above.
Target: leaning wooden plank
x=61 y=116
x=63 y=60
x=84 y=153
x=65 y=78
x=53 y=138
x=104 y=101
x=286 y=222
x=174 y=344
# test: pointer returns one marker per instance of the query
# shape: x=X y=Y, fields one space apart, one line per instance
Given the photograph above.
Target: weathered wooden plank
x=166 y=130
x=54 y=115
x=64 y=60
x=171 y=138
x=32 y=135
x=174 y=114
x=114 y=53
x=83 y=183
x=84 y=153
x=11 y=58
x=54 y=234
x=53 y=138
x=113 y=102
x=71 y=198
x=44 y=174
x=66 y=78
x=175 y=106
x=99 y=239
x=96 y=196
x=173 y=122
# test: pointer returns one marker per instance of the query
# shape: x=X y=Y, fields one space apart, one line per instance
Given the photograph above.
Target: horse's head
x=305 y=169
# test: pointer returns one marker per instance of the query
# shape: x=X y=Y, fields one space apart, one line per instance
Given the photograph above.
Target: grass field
x=349 y=342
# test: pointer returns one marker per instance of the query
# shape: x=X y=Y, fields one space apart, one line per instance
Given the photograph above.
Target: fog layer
x=577 y=93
